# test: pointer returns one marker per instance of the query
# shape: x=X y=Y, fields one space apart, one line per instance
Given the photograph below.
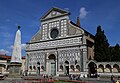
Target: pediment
x=54 y=12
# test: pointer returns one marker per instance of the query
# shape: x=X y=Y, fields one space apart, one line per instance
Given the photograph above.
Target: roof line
x=81 y=28
x=54 y=8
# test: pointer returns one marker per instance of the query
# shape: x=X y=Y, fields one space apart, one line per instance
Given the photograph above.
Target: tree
x=101 y=46
x=115 y=53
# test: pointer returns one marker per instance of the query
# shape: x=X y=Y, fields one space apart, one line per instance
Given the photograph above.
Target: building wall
x=4 y=65
x=70 y=52
x=23 y=65
x=69 y=48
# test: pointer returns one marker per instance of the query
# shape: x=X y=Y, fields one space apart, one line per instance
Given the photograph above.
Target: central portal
x=52 y=64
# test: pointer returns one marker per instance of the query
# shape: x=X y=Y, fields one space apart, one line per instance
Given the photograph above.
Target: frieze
x=53 y=44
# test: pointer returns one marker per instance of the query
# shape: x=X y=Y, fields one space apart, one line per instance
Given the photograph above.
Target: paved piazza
x=88 y=80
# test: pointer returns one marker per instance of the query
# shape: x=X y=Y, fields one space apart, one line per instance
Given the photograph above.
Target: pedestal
x=15 y=70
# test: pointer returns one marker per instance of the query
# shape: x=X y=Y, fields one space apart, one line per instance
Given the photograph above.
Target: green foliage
x=101 y=46
x=115 y=53
x=102 y=50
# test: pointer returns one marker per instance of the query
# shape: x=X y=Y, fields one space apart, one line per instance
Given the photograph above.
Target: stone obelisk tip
x=19 y=27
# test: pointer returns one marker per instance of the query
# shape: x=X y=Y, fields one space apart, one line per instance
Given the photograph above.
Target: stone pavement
x=96 y=80
x=21 y=80
x=93 y=80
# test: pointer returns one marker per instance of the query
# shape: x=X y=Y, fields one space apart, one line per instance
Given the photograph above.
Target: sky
x=27 y=14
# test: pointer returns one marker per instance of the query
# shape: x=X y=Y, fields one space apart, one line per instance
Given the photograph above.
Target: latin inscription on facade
x=53 y=44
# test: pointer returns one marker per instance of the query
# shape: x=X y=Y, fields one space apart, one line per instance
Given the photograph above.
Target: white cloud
x=23 y=46
x=67 y=9
x=7 y=35
x=8 y=20
x=83 y=12
x=11 y=47
x=16 y=24
x=4 y=28
x=2 y=51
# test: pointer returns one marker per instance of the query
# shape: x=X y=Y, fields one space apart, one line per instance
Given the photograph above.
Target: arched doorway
x=52 y=64
x=66 y=67
x=115 y=68
x=108 y=68
x=92 y=69
x=100 y=68
x=1 y=67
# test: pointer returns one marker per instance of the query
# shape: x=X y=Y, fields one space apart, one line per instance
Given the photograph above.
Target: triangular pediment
x=54 y=12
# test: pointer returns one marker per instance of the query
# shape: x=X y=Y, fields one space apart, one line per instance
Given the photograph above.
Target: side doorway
x=92 y=69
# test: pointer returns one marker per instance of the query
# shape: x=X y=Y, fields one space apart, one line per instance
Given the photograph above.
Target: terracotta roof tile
x=3 y=56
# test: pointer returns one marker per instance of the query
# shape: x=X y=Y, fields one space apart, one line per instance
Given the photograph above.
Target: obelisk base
x=15 y=70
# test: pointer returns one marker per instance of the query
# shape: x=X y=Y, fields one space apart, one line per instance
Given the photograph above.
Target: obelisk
x=16 y=54
x=16 y=61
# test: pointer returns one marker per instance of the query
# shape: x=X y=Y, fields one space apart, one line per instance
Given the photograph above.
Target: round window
x=54 y=33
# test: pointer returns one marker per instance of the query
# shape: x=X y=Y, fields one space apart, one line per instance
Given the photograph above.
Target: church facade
x=60 y=47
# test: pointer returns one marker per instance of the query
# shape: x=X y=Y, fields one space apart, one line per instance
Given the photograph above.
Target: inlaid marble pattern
x=53 y=44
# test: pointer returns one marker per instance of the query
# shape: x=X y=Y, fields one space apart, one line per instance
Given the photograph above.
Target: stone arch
x=115 y=68
x=2 y=66
x=42 y=68
x=67 y=63
x=92 y=69
x=34 y=67
x=52 y=56
x=108 y=68
x=77 y=68
x=72 y=68
x=61 y=68
x=30 y=67
x=100 y=68
x=90 y=62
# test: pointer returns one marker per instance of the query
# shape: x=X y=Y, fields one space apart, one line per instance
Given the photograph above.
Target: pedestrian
x=79 y=77
x=111 y=77
x=70 y=77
